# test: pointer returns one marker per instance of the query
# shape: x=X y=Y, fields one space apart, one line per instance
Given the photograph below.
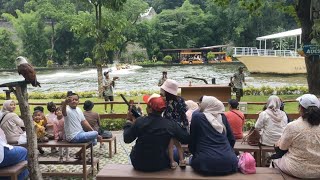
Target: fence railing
x=253 y=51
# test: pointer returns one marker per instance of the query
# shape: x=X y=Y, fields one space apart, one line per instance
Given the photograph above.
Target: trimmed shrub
x=87 y=61
x=167 y=59
x=211 y=56
x=49 y=63
x=112 y=124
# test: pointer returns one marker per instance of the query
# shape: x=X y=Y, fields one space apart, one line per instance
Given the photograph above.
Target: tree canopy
x=66 y=32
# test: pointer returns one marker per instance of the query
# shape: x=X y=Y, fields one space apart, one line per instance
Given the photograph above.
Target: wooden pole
x=33 y=164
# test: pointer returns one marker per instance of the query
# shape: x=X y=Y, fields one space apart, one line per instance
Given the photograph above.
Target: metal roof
x=195 y=49
x=295 y=32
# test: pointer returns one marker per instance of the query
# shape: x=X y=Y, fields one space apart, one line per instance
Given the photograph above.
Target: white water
x=138 y=78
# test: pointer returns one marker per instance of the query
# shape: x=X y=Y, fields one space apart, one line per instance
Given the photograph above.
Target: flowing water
x=146 y=78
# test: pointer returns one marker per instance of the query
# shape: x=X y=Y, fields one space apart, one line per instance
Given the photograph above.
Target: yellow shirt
x=40 y=129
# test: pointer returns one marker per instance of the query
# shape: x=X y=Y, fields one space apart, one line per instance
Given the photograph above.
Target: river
x=146 y=78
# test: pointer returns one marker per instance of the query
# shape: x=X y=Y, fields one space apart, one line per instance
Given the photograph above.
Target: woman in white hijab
x=11 y=123
x=271 y=122
x=191 y=106
x=211 y=139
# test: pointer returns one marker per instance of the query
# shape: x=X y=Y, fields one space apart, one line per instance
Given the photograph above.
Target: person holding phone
x=152 y=134
x=108 y=90
x=74 y=121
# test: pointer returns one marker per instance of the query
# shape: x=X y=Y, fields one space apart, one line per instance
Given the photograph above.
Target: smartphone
x=134 y=110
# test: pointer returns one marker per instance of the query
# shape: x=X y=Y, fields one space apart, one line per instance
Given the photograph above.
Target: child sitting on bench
x=40 y=124
x=58 y=127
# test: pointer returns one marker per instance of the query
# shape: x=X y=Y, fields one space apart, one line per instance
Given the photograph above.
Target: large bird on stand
x=27 y=71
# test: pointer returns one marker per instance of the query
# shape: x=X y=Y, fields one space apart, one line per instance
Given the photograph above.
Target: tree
x=160 y=5
x=30 y=30
x=302 y=9
x=7 y=50
x=130 y=16
x=99 y=49
x=56 y=13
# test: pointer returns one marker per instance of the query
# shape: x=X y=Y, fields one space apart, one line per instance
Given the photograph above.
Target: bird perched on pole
x=27 y=71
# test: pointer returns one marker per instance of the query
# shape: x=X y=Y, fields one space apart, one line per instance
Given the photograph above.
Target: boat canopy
x=291 y=33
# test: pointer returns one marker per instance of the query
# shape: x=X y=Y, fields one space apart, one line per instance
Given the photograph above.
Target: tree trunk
x=33 y=164
x=312 y=62
x=100 y=79
x=52 y=39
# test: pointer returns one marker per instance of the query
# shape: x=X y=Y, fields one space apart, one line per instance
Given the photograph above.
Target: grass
x=289 y=107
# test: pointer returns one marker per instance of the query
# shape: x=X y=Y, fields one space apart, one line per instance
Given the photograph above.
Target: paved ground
x=102 y=154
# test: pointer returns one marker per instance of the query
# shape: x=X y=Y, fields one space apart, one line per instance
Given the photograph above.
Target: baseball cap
x=155 y=101
x=233 y=103
x=170 y=86
x=308 y=100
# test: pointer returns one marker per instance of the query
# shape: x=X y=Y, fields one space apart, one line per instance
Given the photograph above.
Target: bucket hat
x=170 y=86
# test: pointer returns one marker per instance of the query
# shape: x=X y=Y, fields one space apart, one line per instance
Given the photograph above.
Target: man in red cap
x=153 y=134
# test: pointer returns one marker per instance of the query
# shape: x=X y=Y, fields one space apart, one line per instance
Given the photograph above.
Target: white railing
x=253 y=51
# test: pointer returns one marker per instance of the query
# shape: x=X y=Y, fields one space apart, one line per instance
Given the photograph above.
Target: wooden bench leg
x=263 y=163
x=110 y=149
x=14 y=177
x=258 y=159
x=115 y=145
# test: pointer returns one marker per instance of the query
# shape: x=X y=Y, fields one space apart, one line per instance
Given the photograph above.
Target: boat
x=199 y=55
x=269 y=61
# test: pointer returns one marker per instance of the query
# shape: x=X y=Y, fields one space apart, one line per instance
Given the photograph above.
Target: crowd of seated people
x=209 y=131
x=211 y=135
x=66 y=123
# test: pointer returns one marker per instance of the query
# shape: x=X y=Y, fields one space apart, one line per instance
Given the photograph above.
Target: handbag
x=253 y=137
x=105 y=134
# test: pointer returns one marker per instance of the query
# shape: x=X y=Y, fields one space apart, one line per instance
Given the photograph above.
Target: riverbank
x=137 y=64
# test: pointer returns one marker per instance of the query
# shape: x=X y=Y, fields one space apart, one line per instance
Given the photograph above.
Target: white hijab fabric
x=212 y=109
x=273 y=109
x=191 y=105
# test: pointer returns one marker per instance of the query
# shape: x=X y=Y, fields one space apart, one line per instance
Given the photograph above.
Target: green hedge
x=112 y=124
x=267 y=90
x=250 y=90
x=117 y=124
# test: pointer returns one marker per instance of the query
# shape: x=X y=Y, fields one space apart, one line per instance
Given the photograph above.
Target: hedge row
x=264 y=90
x=117 y=124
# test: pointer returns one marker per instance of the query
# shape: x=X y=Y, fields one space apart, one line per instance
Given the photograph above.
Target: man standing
x=108 y=90
x=163 y=79
x=238 y=80
x=74 y=121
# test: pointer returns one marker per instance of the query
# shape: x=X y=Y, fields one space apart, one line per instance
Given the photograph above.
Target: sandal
x=174 y=165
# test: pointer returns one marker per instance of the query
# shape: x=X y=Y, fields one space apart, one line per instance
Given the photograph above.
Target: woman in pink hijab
x=11 y=123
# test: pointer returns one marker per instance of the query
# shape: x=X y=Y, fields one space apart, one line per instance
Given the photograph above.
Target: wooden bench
x=13 y=171
x=110 y=140
x=244 y=147
x=83 y=162
x=264 y=150
x=125 y=172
